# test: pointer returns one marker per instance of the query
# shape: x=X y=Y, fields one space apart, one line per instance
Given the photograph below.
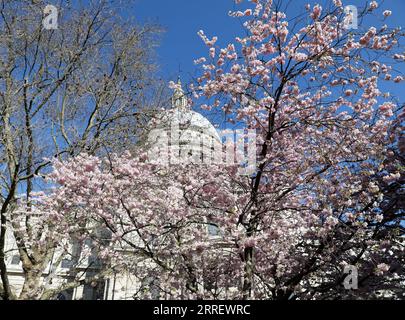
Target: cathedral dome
x=186 y=120
x=184 y=133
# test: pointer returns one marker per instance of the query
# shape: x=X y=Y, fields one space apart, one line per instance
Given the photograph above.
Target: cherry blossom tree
x=141 y=217
x=327 y=191
x=310 y=87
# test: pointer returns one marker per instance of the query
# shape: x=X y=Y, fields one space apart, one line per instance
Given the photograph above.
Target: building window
x=15 y=260
x=213 y=229
x=66 y=263
x=61 y=296
x=151 y=288
x=94 y=290
x=94 y=261
x=65 y=295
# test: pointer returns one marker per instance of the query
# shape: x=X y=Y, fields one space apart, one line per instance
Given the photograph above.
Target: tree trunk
x=32 y=285
x=248 y=275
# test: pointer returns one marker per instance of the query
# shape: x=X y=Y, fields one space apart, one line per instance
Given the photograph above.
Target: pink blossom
x=387 y=109
x=387 y=13
x=316 y=12
x=212 y=52
x=300 y=56
x=200 y=60
x=382 y=268
x=373 y=5
x=392 y=177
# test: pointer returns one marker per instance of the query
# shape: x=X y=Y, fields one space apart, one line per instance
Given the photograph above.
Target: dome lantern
x=179 y=99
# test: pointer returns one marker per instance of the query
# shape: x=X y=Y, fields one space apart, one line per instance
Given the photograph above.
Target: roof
x=186 y=119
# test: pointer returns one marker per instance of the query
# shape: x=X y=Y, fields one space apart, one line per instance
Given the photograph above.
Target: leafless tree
x=86 y=86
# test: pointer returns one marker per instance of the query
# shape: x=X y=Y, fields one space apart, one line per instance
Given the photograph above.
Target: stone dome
x=183 y=134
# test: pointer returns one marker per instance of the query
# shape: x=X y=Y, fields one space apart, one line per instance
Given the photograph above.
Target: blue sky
x=182 y=19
